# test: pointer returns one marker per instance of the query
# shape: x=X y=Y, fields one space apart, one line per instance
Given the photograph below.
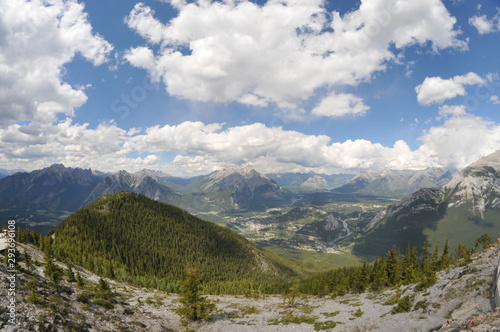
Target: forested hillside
x=133 y=238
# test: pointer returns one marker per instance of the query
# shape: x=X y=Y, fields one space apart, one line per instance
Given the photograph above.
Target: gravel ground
x=459 y=301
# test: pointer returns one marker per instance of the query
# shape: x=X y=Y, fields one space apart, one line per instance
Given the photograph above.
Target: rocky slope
x=461 y=300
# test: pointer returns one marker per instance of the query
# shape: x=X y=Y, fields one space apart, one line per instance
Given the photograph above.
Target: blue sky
x=188 y=87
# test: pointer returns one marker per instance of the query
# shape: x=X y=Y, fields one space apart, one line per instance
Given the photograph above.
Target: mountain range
x=62 y=188
x=396 y=183
x=243 y=188
x=310 y=180
x=460 y=211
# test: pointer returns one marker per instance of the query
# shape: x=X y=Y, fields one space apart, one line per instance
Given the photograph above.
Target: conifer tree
x=103 y=290
x=426 y=257
x=485 y=240
x=291 y=296
x=194 y=306
x=52 y=271
x=410 y=265
x=435 y=259
x=27 y=259
x=393 y=266
x=463 y=252
x=445 y=259
x=380 y=279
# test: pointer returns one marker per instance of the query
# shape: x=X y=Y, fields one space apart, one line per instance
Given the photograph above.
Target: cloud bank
x=200 y=148
x=280 y=53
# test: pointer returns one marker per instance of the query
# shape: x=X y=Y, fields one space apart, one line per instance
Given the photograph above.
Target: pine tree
x=445 y=259
x=194 y=306
x=463 y=253
x=379 y=279
x=435 y=259
x=393 y=266
x=410 y=266
x=103 y=290
x=425 y=260
x=27 y=259
x=33 y=297
x=52 y=271
x=291 y=296
x=485 y=240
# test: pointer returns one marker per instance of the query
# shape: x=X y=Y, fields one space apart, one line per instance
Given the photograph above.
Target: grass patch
x=290 y=318
x=358 y=313
x=421 y=305
x=250 y=311
x=330 y=314
x=329 y=324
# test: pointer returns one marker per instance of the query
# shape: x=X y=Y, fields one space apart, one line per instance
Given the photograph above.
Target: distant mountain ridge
x=242 y=188
x=55 y=187
x=63 y=188
x=396 y=183
x=142 y=183
x=461 y=210
x=310 y=180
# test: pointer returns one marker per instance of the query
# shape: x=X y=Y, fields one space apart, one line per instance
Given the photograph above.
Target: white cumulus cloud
x=452 y=110
x=460 y=141
x=435 y=90
x=338 y=105
x=280 y=52
x=37 y=38
x=485 y=25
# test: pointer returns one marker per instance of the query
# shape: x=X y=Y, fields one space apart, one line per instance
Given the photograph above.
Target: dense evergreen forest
x=132 y=238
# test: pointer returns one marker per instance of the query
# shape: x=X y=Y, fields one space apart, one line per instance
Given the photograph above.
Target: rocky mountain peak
x=246 y=172
x=153 y=173
x=248 y=186
x=316 y=182
x=477 y=184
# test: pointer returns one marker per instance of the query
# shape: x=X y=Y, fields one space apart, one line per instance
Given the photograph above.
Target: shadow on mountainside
x=401 y=228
